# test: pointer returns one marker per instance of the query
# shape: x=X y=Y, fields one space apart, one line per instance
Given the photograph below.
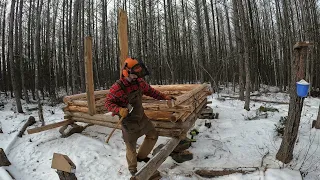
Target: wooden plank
x=49 y=126
x=123 y=37
x=89 y=75
x=153 y=164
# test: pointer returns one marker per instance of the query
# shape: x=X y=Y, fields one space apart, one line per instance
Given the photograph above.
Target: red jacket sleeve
x=112 y=99
x=149 y=91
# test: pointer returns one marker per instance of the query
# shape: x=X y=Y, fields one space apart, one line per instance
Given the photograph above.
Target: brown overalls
x=135 y=125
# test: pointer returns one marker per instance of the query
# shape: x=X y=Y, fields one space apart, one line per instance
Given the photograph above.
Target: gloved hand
x=169 y=97
x=123 y=112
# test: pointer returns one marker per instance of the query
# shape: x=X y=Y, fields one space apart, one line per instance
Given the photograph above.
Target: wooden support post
x=153 y=164
x=123 y=37
x=89 y=75
x=285 y=153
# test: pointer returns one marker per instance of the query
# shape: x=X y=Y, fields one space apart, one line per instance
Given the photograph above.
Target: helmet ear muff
x=125 y=73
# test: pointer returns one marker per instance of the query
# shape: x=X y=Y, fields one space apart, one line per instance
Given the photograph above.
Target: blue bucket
x=302 y=88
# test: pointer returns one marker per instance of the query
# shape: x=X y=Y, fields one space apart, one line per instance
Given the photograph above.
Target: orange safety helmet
x=129 y=64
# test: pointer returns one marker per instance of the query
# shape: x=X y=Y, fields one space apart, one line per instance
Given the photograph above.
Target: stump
x=183 y=145
x=75 y=129
x=182 y=156
x=66 y=176
x=3 y=159
x=156 y=176
x=64 y=166
x=30 y=122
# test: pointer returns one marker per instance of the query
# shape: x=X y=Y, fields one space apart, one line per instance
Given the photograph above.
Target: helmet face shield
x=140 y=70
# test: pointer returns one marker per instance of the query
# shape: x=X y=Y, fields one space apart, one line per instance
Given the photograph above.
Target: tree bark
x=74 y=48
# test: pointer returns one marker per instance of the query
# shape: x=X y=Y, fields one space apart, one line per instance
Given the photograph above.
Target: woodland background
x=185 y=41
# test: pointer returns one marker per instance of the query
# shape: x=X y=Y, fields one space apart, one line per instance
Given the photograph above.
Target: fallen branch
x=258 y=100
x=222 y=172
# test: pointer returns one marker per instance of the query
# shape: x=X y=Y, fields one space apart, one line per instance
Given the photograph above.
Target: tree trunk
x=11 y=58
x=239 y=47
x=74 y=48
x=201 y=48
x=37 y=59
x=4 y=62
x=23 y=84
x=285 y=153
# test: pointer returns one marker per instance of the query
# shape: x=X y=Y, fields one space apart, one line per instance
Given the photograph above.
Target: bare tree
x=239 y=47
x=37 y=59
x=74 y=49
x=11 y=58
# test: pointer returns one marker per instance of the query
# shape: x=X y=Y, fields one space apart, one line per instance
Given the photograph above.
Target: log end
x=3 y=159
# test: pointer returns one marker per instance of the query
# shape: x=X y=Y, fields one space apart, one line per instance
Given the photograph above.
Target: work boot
x=133 y=171
x=144 y=160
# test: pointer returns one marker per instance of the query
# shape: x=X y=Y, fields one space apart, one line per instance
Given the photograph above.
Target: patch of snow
x=303 y=82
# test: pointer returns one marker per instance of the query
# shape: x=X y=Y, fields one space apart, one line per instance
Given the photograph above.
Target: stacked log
x=170 y=120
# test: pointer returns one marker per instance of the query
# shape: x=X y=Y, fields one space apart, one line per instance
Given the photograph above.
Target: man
x=129 y=90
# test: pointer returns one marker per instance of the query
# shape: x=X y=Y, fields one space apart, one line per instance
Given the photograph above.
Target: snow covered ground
x=233 y=141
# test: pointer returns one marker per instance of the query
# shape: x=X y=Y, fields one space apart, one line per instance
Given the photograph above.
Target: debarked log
x=103 y=93
x=168 y=132
x=156 y=115
x=99 y=119
x=67 y=99
x=191 y=93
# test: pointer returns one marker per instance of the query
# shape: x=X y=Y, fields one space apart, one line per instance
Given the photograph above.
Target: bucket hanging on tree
x=302 y=88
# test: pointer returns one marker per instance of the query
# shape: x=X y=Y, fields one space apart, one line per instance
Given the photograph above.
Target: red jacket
x=117 y=97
